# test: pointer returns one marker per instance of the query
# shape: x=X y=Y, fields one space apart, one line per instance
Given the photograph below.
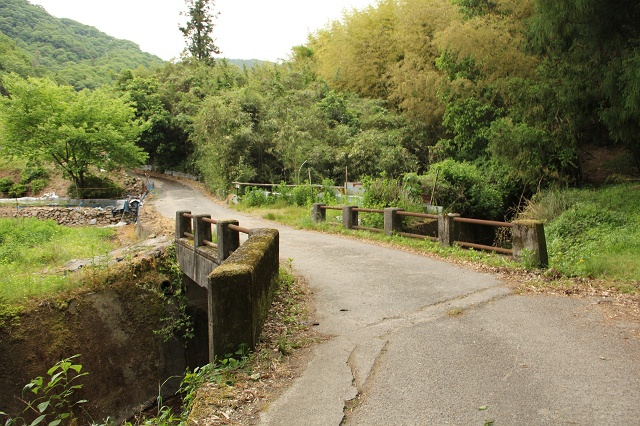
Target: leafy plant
x=303 y=195
x=37 y=185
x=220 y=372
x=463 y=188
x=6 y=184
x=328 y=192
x=53 y=398
x=255 y=197
x=30 y=173
x=18 y=190
x=179 y=323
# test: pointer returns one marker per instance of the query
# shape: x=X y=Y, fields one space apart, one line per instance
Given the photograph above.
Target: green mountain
x=35 y=43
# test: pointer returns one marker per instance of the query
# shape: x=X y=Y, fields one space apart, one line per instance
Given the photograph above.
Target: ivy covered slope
x=34 y=43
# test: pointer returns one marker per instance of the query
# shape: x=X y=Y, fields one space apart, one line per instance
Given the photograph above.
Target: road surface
x=417 y=341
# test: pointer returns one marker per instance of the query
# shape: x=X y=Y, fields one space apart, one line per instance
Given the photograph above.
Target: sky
x=245 y=29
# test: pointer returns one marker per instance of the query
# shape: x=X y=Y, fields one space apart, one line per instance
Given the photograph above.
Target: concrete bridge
x=231 y=282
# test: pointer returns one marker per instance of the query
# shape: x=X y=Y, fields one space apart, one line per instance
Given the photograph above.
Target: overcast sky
x=245 y=29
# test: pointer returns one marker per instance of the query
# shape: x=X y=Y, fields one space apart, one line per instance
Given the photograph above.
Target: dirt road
x=418 y=341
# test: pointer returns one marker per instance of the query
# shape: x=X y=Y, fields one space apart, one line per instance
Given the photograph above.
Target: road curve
x=418 y=341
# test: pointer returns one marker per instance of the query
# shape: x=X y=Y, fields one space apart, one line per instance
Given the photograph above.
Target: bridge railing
x=238 y=279
x=199 y=228
x=527 y=237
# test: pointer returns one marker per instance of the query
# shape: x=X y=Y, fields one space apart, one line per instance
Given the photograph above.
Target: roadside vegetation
x=591 y=233
x=33 y=254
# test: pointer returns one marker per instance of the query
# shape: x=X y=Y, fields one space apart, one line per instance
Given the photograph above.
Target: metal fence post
x=228 y=239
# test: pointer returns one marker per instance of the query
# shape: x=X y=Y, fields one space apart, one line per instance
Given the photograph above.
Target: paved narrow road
x=422 y=342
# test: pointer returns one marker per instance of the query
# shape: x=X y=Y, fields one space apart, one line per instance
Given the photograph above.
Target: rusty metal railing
x=198 y=229
x=476 y=246
x=392 y=225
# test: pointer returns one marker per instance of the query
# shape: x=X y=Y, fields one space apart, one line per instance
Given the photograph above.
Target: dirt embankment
x=112 y=323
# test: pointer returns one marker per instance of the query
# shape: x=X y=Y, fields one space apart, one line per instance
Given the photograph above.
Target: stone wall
x=68 y=216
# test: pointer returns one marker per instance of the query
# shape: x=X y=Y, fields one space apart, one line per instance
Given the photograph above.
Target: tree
x=197 y=31
x=591 y=50
x=42 y=121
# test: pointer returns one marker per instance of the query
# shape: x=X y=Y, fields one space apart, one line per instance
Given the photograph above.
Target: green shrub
x=328 y=193
x=6 y=184
x=31 y=173
x=382 y=192
x=462 y=188
x=37 y=185
x=283 y=193
x=254 y=197
x=96 y=187
x=18 y=190
x=303 y=195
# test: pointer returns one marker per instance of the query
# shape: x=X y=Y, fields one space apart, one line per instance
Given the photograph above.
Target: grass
x=596 y=234
x=591 y=234
x=33 y=254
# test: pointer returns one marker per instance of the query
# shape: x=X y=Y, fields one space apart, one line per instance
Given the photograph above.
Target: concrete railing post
x=529 y=242
x=349 y=217
x=228 y=239
x=448 y=229
x=201 y=230
x=392 y=221
x=183 y=224
x=318 y=214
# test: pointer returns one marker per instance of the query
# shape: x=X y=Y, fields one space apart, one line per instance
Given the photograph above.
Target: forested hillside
x=493 y=100
x=35 y=43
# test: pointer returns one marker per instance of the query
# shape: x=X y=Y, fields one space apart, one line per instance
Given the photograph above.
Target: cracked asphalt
x=417 y=341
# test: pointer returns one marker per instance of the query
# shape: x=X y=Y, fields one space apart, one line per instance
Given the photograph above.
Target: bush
x=281 y=194
x=303 y=195
x=6 y=184
x=254 y=197
x=37 y=185
x=18 y=190
x=96 y=187
x=462 y=188
x=31 y=173
x=328 y=193
x=382 y=192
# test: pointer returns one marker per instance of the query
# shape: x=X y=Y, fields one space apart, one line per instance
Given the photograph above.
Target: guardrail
x=527 y=237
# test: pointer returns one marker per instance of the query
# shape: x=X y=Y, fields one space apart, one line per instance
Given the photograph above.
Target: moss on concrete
x=241 y=291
